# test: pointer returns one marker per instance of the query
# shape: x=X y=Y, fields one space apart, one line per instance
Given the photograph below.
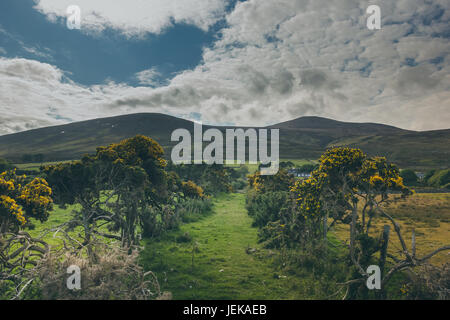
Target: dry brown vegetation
x=428 y=214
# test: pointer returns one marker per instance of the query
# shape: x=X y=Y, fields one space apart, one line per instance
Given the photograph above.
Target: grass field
x=35 y=166
x=216 y=265
x=220 y=260
x=426 y=213
x=218 y=257
x=300 y=162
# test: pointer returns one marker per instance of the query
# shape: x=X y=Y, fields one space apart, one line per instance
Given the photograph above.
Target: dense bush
x=191 y=190
x=239 y=184
x=265 y=207
x=282 y=181
x=432 y=282
x=113 y=187
x=5 y=165
x=409 y=177
x=440 y=178
x=212 y=179
x=155 y=221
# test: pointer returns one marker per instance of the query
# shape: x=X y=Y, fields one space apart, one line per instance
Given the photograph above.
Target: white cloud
x=279 y=60
x=149 y=77
x=275 y=60
x=134 y=17
x=34 y=94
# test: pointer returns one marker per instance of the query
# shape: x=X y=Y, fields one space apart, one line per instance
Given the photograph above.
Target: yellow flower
x=376 y=179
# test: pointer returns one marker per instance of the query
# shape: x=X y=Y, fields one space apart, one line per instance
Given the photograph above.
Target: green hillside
x=302 y=138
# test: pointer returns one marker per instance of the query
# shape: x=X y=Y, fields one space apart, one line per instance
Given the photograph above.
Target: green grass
x=215 y=264
x=56 y=217
x=252 y=168
x=35 y=166
x=300 y=162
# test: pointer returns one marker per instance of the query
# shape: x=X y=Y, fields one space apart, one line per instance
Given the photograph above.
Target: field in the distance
x=426 y=213
x=34 y=166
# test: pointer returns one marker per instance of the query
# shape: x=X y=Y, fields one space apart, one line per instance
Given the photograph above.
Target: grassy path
x=221 y=268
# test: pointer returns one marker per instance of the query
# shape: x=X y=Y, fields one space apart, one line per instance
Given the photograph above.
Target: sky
x=244 y=63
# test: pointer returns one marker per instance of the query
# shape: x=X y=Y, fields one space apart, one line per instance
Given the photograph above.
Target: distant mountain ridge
x=301 y=138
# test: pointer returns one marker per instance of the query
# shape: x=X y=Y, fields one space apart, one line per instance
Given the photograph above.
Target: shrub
x=184 y=238
x=409 y=177
x=191 y=190
x=113 y=274
x=191 y=210
x=212 y=178
x=431 y=282
x=239 y=184
x=265 y=207
x=429 y=174
x=5 y=165
x=440 y=178
x=281 y=181
x=155 y=221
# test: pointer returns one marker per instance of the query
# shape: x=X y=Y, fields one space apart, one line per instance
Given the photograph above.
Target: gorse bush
x=239 y=184
x=271 y=203
x=191 y=190
x=212 y=179
x=347 y=187
x=281 y=181
x=21 y=200
x=113 y=187
x=265 y=207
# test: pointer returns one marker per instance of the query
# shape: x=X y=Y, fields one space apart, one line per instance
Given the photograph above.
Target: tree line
x=120 y=194
x=346 y=187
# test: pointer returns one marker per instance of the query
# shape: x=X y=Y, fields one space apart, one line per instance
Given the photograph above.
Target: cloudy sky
x=251 y=62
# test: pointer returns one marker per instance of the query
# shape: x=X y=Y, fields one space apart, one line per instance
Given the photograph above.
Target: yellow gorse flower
x=10 y=205
x=18 y=199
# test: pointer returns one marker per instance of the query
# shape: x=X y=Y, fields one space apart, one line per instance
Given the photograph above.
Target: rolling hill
x=302 y=138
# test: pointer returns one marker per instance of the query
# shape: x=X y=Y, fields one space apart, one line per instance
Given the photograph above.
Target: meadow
x=218 y=256
x=428 y=214
x=219 y=253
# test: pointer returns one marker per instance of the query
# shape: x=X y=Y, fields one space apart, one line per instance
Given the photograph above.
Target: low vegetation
x=140 y=227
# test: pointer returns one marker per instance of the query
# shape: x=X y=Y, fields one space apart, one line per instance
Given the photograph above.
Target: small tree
x=409 y=177
x=352 y=189
x=271 y=183
x=20 y=201
x=113 y=187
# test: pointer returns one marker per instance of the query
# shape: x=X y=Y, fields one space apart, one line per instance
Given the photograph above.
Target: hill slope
x=302 y=138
